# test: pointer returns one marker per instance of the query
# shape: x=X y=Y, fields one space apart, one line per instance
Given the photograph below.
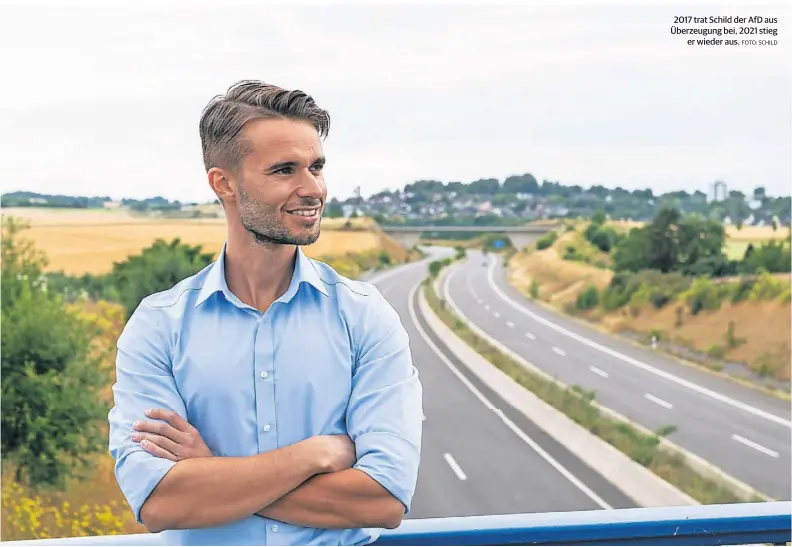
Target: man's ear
x=221 y=184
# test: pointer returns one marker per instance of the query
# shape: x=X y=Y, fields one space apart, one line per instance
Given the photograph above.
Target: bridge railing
x=733 y=524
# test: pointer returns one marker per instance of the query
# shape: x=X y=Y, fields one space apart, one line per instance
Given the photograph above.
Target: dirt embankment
x=750 y=338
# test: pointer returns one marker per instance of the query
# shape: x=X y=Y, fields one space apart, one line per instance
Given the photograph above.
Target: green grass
x=576 y=403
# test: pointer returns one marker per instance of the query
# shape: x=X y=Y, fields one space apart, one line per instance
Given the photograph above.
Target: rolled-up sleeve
x=144 y=380
x=385 y=411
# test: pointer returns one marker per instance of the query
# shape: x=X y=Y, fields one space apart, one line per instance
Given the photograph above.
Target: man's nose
x=312 y=185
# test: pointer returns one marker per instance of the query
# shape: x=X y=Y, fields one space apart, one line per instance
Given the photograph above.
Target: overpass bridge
x=520 y=236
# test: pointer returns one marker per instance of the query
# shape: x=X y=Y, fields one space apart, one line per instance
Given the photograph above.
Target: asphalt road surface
x=741 y=430
x=472 y=463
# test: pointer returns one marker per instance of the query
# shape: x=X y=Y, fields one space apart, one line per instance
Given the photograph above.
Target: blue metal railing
x=767 y=522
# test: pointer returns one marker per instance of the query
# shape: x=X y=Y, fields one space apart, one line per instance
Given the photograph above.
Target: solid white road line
x=509 y=324
x=595 y=370
x=559 y=351
x=635 y=362
x=530 y=336
x=511 y=425
x=755 y=446
x=455 y=466
x=659 y=401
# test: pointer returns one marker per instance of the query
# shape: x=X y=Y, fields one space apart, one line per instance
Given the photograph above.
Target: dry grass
x=79 y=242
x=560 y=281
x=764 y=349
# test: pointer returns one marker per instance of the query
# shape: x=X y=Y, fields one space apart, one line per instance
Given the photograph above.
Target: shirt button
x=275 y=528
x=266 y=428
x=264 y=374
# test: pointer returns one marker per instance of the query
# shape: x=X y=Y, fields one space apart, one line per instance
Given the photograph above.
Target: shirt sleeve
x=144 y=380
x=385 y=411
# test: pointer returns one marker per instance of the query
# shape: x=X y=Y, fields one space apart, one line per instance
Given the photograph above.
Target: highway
x=741 y=430
x=472 y=463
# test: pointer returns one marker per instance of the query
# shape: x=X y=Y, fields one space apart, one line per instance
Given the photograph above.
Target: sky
x=104 y=99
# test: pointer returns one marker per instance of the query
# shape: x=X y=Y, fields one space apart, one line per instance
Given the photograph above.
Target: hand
x=334 y=452
x=173 y=439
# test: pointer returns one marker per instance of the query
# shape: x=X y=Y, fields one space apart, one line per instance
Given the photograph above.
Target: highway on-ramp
x=743 y=431
x=472 y=462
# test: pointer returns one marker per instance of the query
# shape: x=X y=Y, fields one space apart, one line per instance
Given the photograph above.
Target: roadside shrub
x=546 y=241
x=436 y=265
x=702 y=295
x=588 y=299
x=767 y=287
x=651 y=285
x=572 y=253
x=604 y=238
x=741 y=289
x=534 y=288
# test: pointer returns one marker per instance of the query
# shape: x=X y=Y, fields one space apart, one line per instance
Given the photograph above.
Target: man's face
x=281 y=186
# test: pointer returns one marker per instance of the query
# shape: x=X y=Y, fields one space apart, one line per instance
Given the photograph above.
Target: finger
x=169 y=416
x=160 y=441
x=158 y=451
x=163 y=429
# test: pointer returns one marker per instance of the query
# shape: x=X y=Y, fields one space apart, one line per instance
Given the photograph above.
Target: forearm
x=204 y=492
x=345 y=499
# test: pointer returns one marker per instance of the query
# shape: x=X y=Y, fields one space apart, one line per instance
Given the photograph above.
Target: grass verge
x=576 y=404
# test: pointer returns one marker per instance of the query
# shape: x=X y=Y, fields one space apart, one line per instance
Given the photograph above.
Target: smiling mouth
x=306 y=213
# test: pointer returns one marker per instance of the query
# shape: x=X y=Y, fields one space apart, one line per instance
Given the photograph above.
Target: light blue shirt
x=330 y=356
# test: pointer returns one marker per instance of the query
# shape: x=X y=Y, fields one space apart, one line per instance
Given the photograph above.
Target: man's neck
x=258 y=274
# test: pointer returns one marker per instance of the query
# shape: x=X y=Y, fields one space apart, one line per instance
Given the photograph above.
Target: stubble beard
x=261 y=221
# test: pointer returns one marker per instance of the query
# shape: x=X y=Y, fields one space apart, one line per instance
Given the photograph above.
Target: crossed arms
x=328 y=481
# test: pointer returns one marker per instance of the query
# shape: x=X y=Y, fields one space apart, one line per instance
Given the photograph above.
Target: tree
x=598 y=218
x=663 y=248
x=333 y=209
x=157 y=268
x=632 y=253
x=51 y=407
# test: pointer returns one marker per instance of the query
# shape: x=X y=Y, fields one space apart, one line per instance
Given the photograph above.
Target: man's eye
x=317 y=167
x=284 y=171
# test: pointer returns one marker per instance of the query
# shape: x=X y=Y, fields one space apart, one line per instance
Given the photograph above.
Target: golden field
x=89 y=241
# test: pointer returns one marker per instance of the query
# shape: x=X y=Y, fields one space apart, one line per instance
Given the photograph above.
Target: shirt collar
x=304 y=271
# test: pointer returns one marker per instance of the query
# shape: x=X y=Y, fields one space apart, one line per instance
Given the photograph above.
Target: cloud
x=106 y=100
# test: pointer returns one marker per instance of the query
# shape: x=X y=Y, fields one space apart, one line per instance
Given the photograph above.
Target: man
x=267 y=399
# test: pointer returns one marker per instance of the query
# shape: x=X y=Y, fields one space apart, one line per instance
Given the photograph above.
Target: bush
x=703 y=295
x=588 y=299
x=546 y=241
x=534 y=288
x=604 y=238
x=28 y=515
x=572 y=253
x=437 y=265
x=772 y=256
x=52 y=374
x=651 y=285
x=741 y=290
x=157 y=268
x=767 y=287
x=716 y=351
